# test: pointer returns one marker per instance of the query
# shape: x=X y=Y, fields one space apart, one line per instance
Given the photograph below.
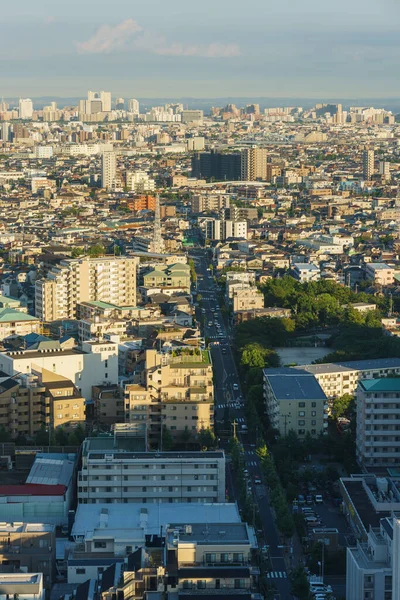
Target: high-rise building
x=214 y=165
x=192 y=116
x=133 y=106
x=254 y=164
x=25 y=108
x=120 y=104
x=221 y=229
x=108 y=170
x=368 y=164
x=5 y=130
x=107 y=278
x=384 y=169
x=96 y=102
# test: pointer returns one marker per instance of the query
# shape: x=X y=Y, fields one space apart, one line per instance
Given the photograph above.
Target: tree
x=343 y=406
x=61 y=437
x=42 y=437
x=96 y=250
x=77 y=252
x=167 y=439
x=207 y=438
x=4 y=435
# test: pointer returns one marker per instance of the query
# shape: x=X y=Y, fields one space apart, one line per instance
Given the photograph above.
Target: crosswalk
x=277 y=575
x=250 y=452
x=252 y=463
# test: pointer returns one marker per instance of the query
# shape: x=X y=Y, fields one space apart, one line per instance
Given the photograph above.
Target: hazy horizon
x=210 y=50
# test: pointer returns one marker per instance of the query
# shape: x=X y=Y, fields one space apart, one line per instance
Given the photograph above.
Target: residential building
x=384 y=170
x=133 y=106
x=25 y=108
x=380 y=273
x=378 y=422
x=29 y=403
x=209 y=203
x=16 y=323
x=218 y=166
x=294 y=400
x=305 y=272
x=371 y=565
x=30 y=547
x=249 y=298
x=253 y=164
x=192 y=116
x=108 y=278
x=139 y=182
x=337 y=379
x=368 y=161
x=217 y=229
x=142 y=202
x=95 y=364
x=173 y=276
x=24 y=586
x=121 y=477
x=108 y=170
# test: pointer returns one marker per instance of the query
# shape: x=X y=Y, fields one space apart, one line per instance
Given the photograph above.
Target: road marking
x=277 y=575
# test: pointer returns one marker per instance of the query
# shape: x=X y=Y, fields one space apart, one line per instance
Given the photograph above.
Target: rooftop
x=353 y=365
x=294 y=384
x=385 y=384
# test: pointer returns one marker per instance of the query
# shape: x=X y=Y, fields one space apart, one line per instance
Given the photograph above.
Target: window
x=313 y=404
x=302 y=404
x=302 y=423
x=301 y=432
x=313 y=413
x=313 y=422
x=80 y=571
x=100 y=544
x=302 y=413
x=201 y=584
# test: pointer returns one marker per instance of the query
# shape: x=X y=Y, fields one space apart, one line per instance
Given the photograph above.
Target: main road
x=228 y=396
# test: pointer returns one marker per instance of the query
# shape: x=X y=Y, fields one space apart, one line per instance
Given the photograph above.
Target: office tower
x=213 y=165
x=107 y=278
x=133 y=106
x=368 y=164
x=253 y=164
x=108 y=170
x=96 y=102
x=120 y=104
x=25 y=108
x=192 y=116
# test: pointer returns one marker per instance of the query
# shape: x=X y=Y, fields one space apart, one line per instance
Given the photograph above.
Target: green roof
x=100 y=304
x=8 y=314
x=8 y=301
x=385 y=384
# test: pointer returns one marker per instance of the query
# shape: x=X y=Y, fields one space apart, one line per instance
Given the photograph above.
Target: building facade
x=254 y=164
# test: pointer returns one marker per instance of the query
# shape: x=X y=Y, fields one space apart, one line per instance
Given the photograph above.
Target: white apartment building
x=25 y=108
x=108 y=278
x=121 y=477
x=108 y=170
x=95 y=364
x=139 y=182
x=217 y=229
x=13 y=322
x=339 y=379
x=133 y=106
x=210 y=203
x=43 y=152
x=373 y=567
x=305 y=272
x=378 y=422
x=24 y=586
x=380 y=273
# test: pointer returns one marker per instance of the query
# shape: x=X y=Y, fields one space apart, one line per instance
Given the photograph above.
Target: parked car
x=318 y=499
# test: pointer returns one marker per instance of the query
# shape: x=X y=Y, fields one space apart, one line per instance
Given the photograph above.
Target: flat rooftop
x=147 y=519
x=294 y=384
x=161 y=456
x=208 y=533
x=385 y=384
x=352 y=365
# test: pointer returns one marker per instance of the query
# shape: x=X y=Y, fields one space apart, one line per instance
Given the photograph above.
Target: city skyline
x=207 y=51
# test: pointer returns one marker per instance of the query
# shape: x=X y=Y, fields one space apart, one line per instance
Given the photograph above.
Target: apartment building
x=109 y=279
x=337 y=379
x=305 y=272
x=30 y=547
x=294 y=400
x=95 y=364
x=14 y=323
x=26 y=586
x=373 y=567
x=209 y=203
x=378 y=422
x=108 y=170
x=380 y=273
x=121 y=477
x=45 y=399
x=249 y=298
x=222 y=229
x=173 y=276
x=253 y=164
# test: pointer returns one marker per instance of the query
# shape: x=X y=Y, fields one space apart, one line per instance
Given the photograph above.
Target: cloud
x=123 y=37
x=107 y=39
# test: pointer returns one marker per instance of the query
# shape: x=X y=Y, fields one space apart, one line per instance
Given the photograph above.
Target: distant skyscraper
x=215 y=165
x=133 y=106
x=5 y=132
x=96 y=102
x=120 y=104
x=368 y=164
x=25 y=108
x=254 y=164
x=108 y=170
x=384 y=169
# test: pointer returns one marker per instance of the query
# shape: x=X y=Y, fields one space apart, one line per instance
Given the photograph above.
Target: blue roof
x=294 y=384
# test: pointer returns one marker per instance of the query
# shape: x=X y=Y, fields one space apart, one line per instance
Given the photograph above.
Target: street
x=228 y=394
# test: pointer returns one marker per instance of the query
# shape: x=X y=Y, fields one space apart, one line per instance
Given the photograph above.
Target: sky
x=202 y=49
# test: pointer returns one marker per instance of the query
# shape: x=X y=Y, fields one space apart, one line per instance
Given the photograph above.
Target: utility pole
x=234 y=428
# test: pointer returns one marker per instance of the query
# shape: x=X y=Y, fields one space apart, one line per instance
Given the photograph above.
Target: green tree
x=96 y=250
x=77 y=252
x=61 y=437
x=167 y=439
x=343 y=406
x=207 y=438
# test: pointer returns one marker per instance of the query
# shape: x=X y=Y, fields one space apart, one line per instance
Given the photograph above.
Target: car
x=235 y=386
x=257 y=479
x=210 y=323
x=246 y=471
x=223 y=350
x=318 y=499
